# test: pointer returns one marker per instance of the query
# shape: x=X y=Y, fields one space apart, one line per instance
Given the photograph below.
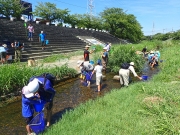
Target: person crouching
x=28 y=99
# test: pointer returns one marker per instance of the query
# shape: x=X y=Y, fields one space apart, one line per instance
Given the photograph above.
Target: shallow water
x=69 y=94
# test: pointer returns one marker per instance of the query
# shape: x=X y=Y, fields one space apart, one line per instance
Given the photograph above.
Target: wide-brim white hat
x=79 y=63
x=31 y=88
x=87 y=46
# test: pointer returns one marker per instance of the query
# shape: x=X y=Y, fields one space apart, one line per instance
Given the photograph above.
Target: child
x=98 y=69
x=28 y=95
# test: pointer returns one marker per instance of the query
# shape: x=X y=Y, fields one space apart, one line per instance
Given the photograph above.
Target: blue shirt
x=47 y=92
x=42 y=36
x=27 y=106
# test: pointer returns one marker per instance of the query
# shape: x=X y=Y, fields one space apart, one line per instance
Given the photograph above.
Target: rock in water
x=116 y=77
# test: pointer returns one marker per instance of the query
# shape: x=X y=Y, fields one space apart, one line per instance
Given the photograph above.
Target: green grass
x=58 y=57
x=144 y=108
x=14 y=76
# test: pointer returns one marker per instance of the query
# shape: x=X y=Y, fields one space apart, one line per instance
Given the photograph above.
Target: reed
x=15 y=76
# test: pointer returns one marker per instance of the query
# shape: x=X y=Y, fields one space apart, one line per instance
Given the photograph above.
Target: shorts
x=3 y=54
x=42 y=43
x=50 y=105
x=99 y=80
x=28 y=119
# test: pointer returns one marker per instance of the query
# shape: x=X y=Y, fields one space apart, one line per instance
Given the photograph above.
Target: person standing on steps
x=18 y=50
x=42 y=39
x=30 y=33
x=124 y=73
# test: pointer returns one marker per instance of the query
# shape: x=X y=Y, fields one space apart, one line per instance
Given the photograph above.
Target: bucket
x=37 y=124
x=47 y=42
x=145 y=77
x=39 y=106
x=91 y=62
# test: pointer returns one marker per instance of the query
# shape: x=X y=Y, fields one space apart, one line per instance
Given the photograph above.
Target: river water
x=69 y=94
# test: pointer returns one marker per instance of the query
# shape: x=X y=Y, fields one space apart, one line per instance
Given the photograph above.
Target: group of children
x=87 y=68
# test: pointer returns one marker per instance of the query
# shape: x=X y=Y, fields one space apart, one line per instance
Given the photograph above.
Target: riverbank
x=143 y=108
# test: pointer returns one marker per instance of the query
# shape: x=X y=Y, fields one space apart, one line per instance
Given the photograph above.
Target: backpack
x=48 y=76
x=125 y=65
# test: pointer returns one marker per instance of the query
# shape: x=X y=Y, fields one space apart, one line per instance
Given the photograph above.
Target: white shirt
x=98 y=70
x=131 y=68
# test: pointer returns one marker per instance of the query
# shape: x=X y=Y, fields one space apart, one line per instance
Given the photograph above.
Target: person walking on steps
x=42 y=39
x=30 y=32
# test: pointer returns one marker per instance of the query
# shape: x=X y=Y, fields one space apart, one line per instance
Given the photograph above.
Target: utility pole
x=90 y=7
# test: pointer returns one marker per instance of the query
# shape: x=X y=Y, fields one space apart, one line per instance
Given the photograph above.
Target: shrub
x=120 y=54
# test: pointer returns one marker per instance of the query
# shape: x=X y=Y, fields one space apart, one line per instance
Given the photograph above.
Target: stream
x=69 y=94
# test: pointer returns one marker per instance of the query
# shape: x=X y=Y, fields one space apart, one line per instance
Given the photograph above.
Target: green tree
x=50 y=12
x=122 y=25
x=72 y=19
x=11 y=8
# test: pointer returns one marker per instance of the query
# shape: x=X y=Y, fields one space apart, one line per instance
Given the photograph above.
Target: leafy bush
x=98 y=48
x=120 y=54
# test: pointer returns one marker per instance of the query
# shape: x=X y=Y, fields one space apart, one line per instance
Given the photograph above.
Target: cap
x=79 y=63
x=31 y=88
x=132 y=63
x=41 y=31
x=105 y=48
x=99 y=61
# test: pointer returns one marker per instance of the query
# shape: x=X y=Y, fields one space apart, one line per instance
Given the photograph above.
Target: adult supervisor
x=124 y=74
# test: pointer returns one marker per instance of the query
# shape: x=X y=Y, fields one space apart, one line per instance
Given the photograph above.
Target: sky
x=154 y=16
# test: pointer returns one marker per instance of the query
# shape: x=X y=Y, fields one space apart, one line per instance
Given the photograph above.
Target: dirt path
x=72 y=62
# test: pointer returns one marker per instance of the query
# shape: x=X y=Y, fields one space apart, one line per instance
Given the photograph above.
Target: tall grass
x=144 y=108
x=14 y=76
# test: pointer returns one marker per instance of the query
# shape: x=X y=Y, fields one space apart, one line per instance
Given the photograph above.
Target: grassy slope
x=143 y=108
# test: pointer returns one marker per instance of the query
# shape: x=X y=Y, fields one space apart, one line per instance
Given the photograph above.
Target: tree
x=61 y=15
x=72 y=19
x=121 y=25
x=11 y=8
x=50 y=12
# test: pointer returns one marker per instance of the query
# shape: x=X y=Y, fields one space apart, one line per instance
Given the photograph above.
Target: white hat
x=41 y=31
x=151 y=51
x=79 y=63
x=105 y=48
x=132 y=63
x=87 y=46
x=4 y=45
x=31 y=88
